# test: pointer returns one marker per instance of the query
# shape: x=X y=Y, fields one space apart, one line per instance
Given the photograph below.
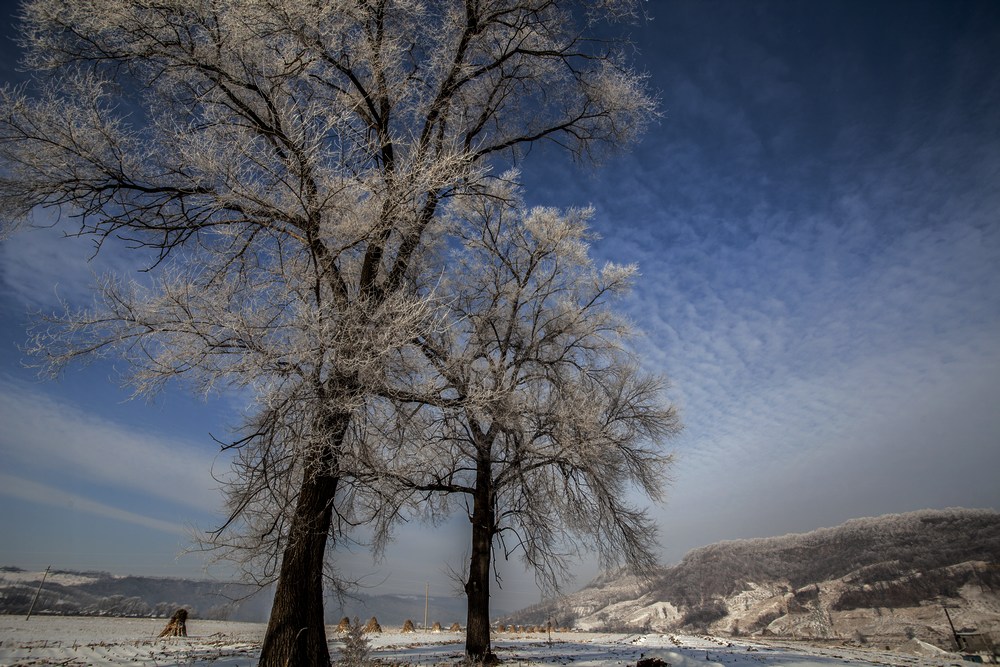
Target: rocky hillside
x=878 y=577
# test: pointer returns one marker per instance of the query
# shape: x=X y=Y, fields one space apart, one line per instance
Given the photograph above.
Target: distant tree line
x=53 y=603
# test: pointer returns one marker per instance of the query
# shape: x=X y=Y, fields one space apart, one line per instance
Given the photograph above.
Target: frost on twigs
x=531 y=412
x=286 y=167
x=357 y=649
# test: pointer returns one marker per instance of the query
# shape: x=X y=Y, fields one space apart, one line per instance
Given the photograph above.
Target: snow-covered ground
x=74 y=642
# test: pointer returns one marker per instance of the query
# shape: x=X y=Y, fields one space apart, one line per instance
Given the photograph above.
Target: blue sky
x=817 y=222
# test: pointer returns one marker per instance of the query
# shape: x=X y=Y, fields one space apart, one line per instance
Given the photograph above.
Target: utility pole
x=37 y=591
x=427 y=597
x=958 y=644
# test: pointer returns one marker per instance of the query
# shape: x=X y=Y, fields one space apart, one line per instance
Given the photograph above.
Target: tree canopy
x=523 y=403
x=285 y=163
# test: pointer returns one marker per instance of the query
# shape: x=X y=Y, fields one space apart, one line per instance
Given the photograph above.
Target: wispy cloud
x=43 y=433
x=819 y=245
x=44 y=264
x=43 y=494
x=44 y=257
x=816 y=223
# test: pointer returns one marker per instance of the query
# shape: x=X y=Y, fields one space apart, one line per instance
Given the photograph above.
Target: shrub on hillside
x=911 y=591
x=702 y=616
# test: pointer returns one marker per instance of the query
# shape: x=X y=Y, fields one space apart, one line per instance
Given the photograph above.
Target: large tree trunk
x=477 y=588
x=296 y=632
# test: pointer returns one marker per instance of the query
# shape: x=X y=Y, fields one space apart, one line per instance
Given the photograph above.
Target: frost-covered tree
x=283 y=163
x=535 y=417
x=356 y=651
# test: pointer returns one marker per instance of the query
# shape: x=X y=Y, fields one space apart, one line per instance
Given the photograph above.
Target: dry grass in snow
x=76 y=642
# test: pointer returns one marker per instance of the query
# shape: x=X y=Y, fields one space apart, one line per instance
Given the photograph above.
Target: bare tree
x=283 y=163
x=536 y=418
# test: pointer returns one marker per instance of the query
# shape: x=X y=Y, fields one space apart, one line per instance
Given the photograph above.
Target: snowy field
x=76 y=641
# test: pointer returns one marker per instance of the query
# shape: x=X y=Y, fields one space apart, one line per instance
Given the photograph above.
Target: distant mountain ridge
x=880 y=576
x=874 y=577
x=67 y=592
x=102 y=594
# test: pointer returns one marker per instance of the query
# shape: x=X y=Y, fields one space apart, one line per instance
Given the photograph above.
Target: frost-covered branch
x=283 y=168
x=550 y=428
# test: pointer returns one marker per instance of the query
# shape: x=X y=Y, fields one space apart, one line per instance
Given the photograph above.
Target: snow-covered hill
x=102 y=594
x=883 y=577
x=67 y=593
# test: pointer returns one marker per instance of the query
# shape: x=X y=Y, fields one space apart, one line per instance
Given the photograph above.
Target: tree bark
x=296 y=631
x=477 y=588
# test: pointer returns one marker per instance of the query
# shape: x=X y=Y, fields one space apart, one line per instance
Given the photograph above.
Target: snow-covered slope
x=883 y=577
x=102 y=594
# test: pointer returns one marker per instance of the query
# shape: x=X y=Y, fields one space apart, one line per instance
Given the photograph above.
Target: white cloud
x=820 y=283
x=43 y=494
x=40 y=267
x=44 y=265
x=43 y=434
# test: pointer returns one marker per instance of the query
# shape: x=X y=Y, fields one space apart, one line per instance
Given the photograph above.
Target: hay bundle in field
x=436 y=627
x=455 y=627
x=501 y=628
x=408 y=626
x=344 y=625
x=373 y=626
x=177 y=625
